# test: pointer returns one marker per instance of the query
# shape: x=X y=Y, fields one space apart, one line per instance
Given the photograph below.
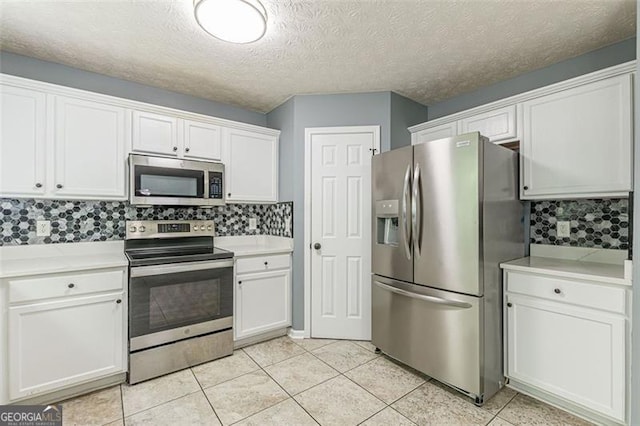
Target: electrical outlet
x=43 y=228
x=563 y=229
x=253 y=223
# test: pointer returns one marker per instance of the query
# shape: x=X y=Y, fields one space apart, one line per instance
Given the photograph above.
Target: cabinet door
x=498 y=125
x=202 y=141
x=263 y=302
x=572 y=352
x=251 y=166
x=56 y=344
x=22 y=142
x=155 y=133
x=90 y=158
x=577 y=143
x=435 y=133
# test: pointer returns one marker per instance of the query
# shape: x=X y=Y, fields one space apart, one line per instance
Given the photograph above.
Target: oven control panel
x=142 y=229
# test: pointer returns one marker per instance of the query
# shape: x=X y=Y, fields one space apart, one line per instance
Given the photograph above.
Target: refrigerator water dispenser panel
x=387 y=222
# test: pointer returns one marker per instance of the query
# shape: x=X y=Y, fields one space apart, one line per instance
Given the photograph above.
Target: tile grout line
x=122 y=403
x=205 y=395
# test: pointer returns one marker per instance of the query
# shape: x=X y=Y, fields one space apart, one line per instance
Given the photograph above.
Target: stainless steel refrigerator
x=445 y=214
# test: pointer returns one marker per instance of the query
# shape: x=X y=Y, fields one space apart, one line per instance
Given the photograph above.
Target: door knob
x=317 y=246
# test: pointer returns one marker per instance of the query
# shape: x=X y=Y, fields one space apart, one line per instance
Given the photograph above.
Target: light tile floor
x=303 y=382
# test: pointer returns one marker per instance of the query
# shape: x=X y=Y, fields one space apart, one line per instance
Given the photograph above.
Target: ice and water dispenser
x=387 y=222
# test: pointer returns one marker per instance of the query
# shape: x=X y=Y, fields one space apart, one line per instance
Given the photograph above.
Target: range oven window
x=165 y=301
x=168 y=182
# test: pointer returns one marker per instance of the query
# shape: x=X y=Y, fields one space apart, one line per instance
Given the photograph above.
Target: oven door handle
x=145 y=271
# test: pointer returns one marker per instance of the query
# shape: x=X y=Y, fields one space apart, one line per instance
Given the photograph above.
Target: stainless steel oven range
x=180 y=297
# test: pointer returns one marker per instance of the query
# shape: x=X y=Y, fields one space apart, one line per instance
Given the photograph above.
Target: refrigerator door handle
x=430 y=299
x=416 y=211
x=406 y=226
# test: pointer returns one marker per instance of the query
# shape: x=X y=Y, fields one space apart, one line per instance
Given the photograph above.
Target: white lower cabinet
x=263 y=299
x=64 y=338
x=559 y=344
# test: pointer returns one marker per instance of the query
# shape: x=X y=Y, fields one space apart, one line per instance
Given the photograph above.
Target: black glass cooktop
x=174 y=250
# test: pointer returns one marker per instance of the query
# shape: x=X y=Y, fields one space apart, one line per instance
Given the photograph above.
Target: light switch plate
x=563 y=229
x=43 y=228
x=253 y=223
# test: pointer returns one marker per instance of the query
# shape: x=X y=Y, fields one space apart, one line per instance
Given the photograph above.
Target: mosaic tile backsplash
x=594 y=223
x=78 y=221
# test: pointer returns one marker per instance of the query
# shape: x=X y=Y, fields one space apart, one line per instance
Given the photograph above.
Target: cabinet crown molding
x=624 y=68
x=55 y=89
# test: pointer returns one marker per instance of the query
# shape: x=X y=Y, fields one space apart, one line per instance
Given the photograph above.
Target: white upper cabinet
x=498 y=125
x=55 y=146
x=90 y=153
x=202 y=140
x=155 y=133
x=22 y=142
x=251 y=166
x=434 y=133
x=577 y=142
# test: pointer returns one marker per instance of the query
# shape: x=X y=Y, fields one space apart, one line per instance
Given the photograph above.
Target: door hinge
x=373 y=151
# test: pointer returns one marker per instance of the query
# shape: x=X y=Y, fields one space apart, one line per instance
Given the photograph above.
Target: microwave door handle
x=406 y=224
x=416 y=211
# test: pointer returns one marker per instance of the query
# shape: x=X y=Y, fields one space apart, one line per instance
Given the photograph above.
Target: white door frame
x=308 y=132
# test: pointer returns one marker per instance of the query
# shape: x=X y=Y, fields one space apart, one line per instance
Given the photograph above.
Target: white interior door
x=340 y=206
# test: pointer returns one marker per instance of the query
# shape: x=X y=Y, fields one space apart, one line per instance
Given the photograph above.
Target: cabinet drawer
x=262 y=263
x=26 y=289
x=561 y=290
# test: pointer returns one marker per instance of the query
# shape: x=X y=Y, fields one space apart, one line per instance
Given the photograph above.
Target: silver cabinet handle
x=430 y=299
x=416 y=212
x=406 y=228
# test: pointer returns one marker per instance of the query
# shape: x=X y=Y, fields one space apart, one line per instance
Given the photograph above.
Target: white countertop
x=17 y=261
x=252 y=245
x=610 y=267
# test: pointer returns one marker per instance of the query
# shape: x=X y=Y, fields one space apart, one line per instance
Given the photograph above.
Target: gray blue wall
x=614 y=54
x=392 y=112
x=404 y=113
x=50 y=72
x=635 y=316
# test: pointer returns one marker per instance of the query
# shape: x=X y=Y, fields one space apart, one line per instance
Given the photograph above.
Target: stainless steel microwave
x=175 y=182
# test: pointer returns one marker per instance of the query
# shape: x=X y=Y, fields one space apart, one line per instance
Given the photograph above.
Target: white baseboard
x=296 y=334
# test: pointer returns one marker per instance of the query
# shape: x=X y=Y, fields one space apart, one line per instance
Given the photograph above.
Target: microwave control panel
x=216 y=189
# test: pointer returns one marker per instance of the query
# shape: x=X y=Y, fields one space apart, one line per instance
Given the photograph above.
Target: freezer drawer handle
x=431 y=299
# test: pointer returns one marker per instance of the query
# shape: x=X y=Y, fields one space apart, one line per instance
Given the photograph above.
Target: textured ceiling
x=424 y=49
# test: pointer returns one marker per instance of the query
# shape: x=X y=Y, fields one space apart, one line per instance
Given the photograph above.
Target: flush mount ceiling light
x=236 y=21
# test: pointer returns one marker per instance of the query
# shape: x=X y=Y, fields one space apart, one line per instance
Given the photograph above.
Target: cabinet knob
x=266 y=263
x=525 y=187
x=186 y=149
x=229 y=195
x=317 y=246
x=38 y=185
x=59 y=186
x=119 y=301
x=175 y=148
x=239 y=282
x=71 y=285
x=557 y=291
x=509 y=304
